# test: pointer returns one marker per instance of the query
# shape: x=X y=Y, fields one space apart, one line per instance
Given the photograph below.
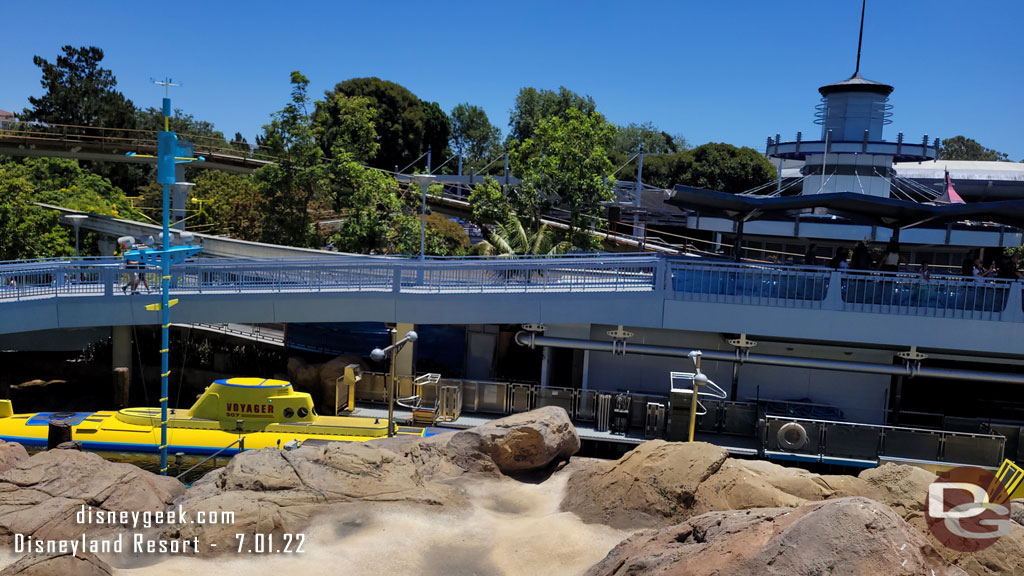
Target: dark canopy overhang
x=885 y=212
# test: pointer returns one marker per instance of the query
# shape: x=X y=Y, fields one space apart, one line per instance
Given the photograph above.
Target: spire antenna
x=860 y=38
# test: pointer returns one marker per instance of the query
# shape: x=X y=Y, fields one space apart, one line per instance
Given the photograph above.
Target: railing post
x=109 y=274
x=1014 y=302
x=663 y=282
x=834 y=295
x=396 y=282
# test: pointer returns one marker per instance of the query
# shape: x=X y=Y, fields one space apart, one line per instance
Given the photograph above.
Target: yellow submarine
x=268 y=413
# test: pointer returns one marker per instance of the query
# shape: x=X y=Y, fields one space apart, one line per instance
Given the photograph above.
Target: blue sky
x=726 y=71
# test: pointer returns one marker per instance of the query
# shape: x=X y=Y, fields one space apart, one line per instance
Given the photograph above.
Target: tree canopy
x=29 y=231
x=963 y=148
x=715 y=166
x=346 y=122
x=472 y=133
x=628 y=138
x=400 y=120
x=78 y=91
x=290 y=186
x=532 y=105
x=567 y=161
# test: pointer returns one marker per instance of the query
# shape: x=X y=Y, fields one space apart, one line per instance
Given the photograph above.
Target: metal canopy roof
x=886 y=212
x=856 y=83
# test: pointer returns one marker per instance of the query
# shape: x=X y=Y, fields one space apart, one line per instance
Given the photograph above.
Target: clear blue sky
x=732 y=71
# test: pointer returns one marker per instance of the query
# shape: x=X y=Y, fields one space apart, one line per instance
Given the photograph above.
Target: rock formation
x=275 y=491
x=41 y=494
x=850 y=536
x=81 y=564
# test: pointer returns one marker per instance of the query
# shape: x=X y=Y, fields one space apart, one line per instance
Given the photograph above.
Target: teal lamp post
x=170 y=152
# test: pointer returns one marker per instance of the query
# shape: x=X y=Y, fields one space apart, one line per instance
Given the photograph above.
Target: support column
x=404 y=359
x=545 y=366
x=122 y=347
x=121 y=361
x=586 y=369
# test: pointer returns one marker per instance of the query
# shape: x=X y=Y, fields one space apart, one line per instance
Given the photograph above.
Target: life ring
x=791 y=436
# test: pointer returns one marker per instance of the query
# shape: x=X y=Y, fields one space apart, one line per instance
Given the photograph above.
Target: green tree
x=628 y=138
x=399 y=120
x=715 y=166
x=186 y=125
x=567 y=159
x=488 y=202
x=298 y=179
x=511 y=239
x=240 y=143
x=532 y=105
x=30 y=231
x=79 y=92
x=472 y=133
x=436 y=131
x=370 y=208
x=444 y=237
x=346 y=122
x=724 y=167
x=963 y=148
x=228 y=204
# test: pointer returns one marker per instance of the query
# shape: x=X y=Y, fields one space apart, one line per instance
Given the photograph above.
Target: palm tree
x=511 y=239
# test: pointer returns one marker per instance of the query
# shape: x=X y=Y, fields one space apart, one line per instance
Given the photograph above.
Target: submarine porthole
x=288 y=412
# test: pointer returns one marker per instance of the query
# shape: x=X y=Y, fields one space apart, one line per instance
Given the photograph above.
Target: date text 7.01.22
x=266 y=544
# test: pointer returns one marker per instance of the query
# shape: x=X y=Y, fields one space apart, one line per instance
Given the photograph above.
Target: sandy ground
x=511 y=529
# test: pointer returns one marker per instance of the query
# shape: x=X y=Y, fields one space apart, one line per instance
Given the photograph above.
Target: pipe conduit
x=531 y=339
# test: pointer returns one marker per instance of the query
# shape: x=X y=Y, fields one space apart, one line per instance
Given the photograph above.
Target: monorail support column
x=121 y=361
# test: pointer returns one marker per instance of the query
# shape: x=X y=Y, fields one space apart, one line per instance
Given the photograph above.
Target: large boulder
x=11 y=454
x=850 y=536
x=741 y=484
x=80 y=564
x=653 y=485
x=1017 y=511
x=901 y=487
x=518 y=443
x=40 y=496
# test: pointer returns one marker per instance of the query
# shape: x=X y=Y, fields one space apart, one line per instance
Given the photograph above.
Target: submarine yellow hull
x=268 y=413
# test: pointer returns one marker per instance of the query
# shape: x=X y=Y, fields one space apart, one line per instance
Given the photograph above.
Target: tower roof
x=856 y=83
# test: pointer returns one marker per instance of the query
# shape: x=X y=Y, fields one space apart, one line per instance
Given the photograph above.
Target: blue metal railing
x=602 y=273
x=848 y=291
x=701 y=280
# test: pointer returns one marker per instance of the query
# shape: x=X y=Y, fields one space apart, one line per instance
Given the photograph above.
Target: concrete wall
x=862 y=397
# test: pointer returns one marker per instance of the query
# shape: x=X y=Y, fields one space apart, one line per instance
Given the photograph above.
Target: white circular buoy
x=791 y=436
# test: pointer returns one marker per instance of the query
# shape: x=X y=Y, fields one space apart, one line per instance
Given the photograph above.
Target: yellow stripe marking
x=165 y=374
x=163 y=350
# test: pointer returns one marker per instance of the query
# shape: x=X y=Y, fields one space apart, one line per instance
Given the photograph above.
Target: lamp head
x=411 y=335
x=377 y=355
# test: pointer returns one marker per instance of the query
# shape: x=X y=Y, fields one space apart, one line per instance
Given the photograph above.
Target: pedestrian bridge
x=635 y=290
